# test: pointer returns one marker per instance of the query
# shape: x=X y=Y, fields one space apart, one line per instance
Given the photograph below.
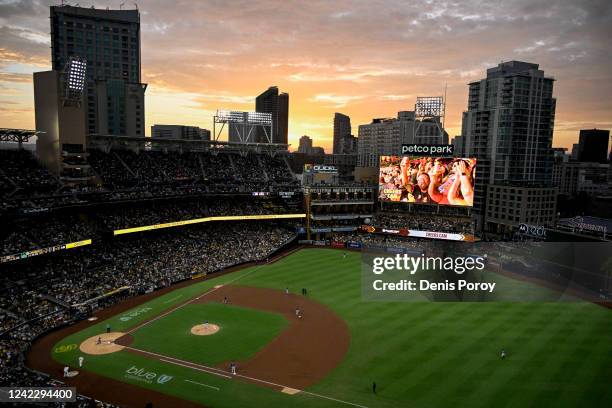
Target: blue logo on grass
x=140 y=374
x=163 y=378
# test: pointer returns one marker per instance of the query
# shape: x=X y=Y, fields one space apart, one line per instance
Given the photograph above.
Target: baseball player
x=99 y=341
x=66 y=369
x=503 y=354
x=233 y=368
x=108 y=328
x=286 y=291
x=81 y=361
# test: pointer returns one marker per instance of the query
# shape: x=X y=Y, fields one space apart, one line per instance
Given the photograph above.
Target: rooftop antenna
x=444 y=117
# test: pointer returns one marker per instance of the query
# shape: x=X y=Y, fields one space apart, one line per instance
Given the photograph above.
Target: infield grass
x=243 y=332
x=421 y=354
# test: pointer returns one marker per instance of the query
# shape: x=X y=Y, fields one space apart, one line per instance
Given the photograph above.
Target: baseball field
x=326 y=349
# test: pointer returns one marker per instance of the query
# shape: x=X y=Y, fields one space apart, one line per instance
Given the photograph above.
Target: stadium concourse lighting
x=260 y=118
x=74 y=75
x=244 y=124
x=429 y=106
x=431 y=109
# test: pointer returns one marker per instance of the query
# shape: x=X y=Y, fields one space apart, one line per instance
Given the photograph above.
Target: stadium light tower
x=430 y=109
x=244 y=124
x=74 y=76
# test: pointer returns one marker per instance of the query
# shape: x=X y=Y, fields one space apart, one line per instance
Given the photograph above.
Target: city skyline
x=364 y=60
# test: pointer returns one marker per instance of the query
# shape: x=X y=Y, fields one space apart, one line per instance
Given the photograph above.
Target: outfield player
x=503 y=354
x=81 y=361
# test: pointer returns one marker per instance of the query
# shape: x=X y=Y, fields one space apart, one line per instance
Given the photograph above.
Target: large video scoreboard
x=427 y=180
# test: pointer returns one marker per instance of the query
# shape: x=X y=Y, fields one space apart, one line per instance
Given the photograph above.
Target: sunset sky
x=365 y=59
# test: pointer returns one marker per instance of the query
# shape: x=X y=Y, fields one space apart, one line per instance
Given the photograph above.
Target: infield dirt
x=301 y=355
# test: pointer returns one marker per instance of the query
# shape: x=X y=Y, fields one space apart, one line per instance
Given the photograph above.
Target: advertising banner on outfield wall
x=427 y=180
x=404 y=232
x=352 y=244
x=337 y=244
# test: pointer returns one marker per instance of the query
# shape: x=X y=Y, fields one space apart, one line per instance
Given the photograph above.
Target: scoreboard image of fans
x=427 y=180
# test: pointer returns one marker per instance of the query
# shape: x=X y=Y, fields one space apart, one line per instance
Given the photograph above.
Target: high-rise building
x=593 y=145
x=306 y=147
x=109 y=40
x=457 y=143
x=342 y=130
x=385 y=137
x=305 y=144
x=575 y=151
x=349 y=145
x=508 y=127
x=575 y=177
x=382 y=137
x=270 y=101
x=179 y=132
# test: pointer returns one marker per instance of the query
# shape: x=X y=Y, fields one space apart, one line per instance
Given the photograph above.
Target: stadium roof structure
x=150 y=143
x=19 y=136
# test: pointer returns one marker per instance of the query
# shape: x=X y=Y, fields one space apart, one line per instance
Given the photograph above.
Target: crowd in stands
x=163 y=212
x=376 y=240
x=424 y=222
x=25 y=185
x=20 y=172
x=47 y=291
x=30 y=233
x=212 y=172
x=46 y=230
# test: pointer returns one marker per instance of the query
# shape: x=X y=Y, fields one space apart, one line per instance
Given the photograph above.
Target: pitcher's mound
x=204 y=329
x=107 y=344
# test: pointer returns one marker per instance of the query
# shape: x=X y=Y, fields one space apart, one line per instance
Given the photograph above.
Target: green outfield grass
x=243 y=333
x=421 y=354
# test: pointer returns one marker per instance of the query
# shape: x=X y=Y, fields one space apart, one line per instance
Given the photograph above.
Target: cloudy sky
x=367 y=58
